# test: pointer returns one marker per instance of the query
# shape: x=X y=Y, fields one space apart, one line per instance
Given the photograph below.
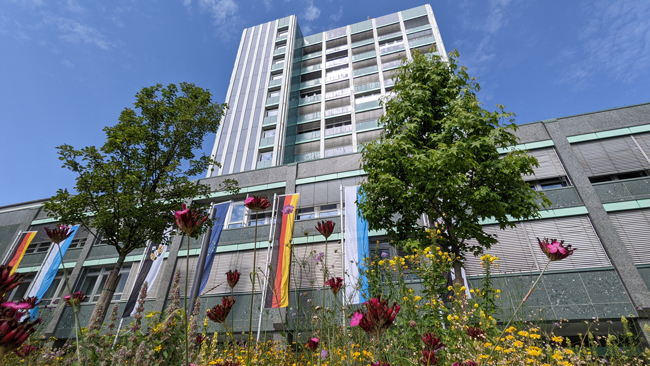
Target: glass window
x=51 y=292
x=276 y=77
x=306 y=213
x=278 y=61
x=266 y=156
x=269 y=133
x=272 y=112
x=237 y=215
x=88 y=282
x=274 y=94
x=328 y=210
x=20 y=291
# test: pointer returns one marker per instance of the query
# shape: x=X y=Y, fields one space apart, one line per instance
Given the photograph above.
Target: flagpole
x=266 y=277
x=198 y=275
x=11 y=249
x=342 y=245
x=117 y=333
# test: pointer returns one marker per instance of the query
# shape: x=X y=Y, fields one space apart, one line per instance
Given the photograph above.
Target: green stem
x=324 y=287
x=74 y=307
x=515 y=313
x=250 y=316
x=185 y=320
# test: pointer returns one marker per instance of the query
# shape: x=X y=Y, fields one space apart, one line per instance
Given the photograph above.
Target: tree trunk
x=458 y=274
x=104 y=302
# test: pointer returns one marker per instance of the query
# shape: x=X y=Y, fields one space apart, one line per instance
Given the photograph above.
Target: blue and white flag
x=356 y=247
x=49 y=269
x=219 y=218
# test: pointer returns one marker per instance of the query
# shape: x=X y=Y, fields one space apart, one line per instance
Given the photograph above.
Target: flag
x=49 y=269
x=219 y=218
x=23 y=241
x=153 y=260
x=277 y=293
x=356 y=247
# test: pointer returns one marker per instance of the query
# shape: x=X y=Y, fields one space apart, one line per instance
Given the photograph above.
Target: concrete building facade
x=593 y=167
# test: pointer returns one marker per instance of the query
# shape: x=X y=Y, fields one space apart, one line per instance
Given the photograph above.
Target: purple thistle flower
x=384 y=254
x=288 y=209
x=318 y=257
x=323 y=354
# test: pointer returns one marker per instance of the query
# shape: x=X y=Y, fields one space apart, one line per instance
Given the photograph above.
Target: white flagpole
x=117 y=333
x=342 y=248
x=11 y=249
x=266 y=277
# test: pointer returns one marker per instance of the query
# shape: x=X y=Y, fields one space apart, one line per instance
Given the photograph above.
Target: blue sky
x=68 y=68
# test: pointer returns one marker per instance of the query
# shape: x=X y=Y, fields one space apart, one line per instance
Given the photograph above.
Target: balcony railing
x=267 y=142
x=280 y=51
x=422 y=41
x=275 y=82
x=417 y=29
x=366 y=70
x=362 y=42
x=338 y=61
x=391 y=64
x=312 y=55
x=308 y=156
x=367 y=105
x=270 y=121
x=273 y=100
x=338 y=130
x=310 y=83
x=263 y=164
x=311 y=68
x=337 y=111
x=337 y=48
x=392 y=48
x=307 y=100
x=390 y=35
x=308 y=117
x=337 y=93
x=367 y=125
x=338 y=151
x=367 y=87
x=365 y=55
x=307 y=136
x=337 y=76
x=279 y=66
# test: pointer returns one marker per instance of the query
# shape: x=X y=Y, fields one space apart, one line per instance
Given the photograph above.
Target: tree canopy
x=129 y=188
x=439 y=156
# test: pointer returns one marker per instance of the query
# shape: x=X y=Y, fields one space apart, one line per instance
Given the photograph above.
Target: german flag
x=19 y=250
x=277 y=294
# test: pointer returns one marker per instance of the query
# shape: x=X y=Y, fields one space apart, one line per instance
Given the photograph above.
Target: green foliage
x=438 y=156
x=129 y=188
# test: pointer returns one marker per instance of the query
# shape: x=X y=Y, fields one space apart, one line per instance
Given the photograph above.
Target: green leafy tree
x=438 y=156
x=128 y=189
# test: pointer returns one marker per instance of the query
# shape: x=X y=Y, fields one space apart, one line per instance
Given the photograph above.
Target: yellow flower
x=158 y=348
x=534 y=351
x=523 y=333
x=535 y=336
x=518 y=344
x=557 y=339
x=511 y=330
x=509 y=337
x=488 y=345
x=418 y=298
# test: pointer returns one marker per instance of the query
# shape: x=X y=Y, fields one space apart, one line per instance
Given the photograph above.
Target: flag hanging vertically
x=49 y=269
x=152 y=262
x=219 y=218
x=356 y=247
x=18 y=251
x=277 y=293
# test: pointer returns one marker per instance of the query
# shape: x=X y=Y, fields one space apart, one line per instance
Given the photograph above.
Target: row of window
x=239 y=216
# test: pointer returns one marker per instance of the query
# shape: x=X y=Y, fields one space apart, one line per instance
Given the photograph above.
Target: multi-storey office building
x=593 y=167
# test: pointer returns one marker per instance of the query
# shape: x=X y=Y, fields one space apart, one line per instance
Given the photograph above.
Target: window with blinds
x=610 y=156
x=634 y=229
x=549 y=164
x=519 y=251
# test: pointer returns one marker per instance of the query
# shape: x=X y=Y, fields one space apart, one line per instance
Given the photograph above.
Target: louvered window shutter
x=634 y=229
x=217 y=283
x=644 y=141
x=305 y=273
x=549 y=164
x=180 y=265
x=518 y=249
x=611 y=156
x=129 y=282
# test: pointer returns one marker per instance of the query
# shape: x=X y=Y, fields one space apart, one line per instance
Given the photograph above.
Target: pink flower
x=326 y=228
x=555 y=250
x=312 y=344
x=76 y=299
x=59 y=233
x=378 y=316
x=189 y=220
x=16 y=306
x=335 y=284
x=356 y=319
x=257 y=203
x=288 y=209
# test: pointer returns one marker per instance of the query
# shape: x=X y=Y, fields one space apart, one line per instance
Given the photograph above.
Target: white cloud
x=337 y=16
x=220 y=10
x=614 y=42
x=311 y=12
x=67 y=64
x=75 y=32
